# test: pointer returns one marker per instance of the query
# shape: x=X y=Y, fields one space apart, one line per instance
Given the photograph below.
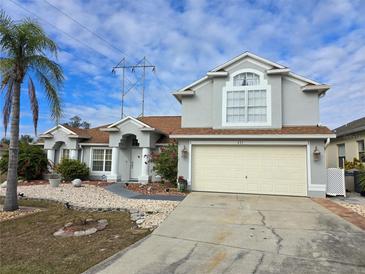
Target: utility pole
x=142 y=64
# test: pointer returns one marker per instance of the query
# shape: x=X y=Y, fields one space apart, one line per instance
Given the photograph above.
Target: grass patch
x=28 y=245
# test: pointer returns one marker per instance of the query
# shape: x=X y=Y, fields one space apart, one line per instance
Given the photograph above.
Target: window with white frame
x=65 y=154
x=246 y=79
x=361 y=148
x=246 y=100
x=101 y=159
x=341 y=155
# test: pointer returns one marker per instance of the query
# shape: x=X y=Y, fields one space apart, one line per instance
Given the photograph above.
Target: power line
x=141 y=64
x=67 y=34
x=168 y=89
x=86 y=28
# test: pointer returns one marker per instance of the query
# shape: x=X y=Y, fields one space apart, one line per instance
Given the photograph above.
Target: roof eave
x=113 y=129
x=78 y=136
x=252 y=136
x=47 y=135
x=320 y=89
x=180 y=94
x=284 y=71
x=352 y=131
x=215 y=74
x=248 y=54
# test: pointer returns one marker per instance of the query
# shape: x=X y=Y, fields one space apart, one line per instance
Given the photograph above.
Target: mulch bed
x=155 y=189
x=343 y=212
x=45 y=182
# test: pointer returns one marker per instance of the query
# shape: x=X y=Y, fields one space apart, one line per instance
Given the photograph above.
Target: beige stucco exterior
x=351 y=148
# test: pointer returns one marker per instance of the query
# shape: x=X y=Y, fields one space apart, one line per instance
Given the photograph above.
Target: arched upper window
x=246 y=79
x=246 y=100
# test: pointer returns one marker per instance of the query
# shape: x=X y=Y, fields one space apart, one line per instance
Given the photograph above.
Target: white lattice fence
x=336 y=182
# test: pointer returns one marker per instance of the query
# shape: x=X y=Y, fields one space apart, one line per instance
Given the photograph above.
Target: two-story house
x=249 y=126
x=252 y=126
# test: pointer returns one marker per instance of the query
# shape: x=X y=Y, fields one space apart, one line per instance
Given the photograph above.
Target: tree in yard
x=26 y=139
x=24 y=48
x=76 y=121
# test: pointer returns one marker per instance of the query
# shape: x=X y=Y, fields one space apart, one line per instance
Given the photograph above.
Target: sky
x=321 y=40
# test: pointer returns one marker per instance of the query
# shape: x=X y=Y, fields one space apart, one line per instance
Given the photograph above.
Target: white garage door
x=277 y=170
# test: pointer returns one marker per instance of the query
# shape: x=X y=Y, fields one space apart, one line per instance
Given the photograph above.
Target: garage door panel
x=250 y=169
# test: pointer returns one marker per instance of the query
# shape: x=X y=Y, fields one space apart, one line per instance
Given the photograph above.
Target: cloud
x=322 y=40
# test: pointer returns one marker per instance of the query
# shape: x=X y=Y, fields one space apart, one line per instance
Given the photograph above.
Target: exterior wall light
x=316 y=154
x=184 y=152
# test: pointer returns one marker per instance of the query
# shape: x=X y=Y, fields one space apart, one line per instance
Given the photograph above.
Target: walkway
x=118 y=189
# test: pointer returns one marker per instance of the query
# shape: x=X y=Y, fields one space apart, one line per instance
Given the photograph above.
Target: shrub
x=355 y=164
x=72 y=169
x=362 y=181
x=165 y=163
x=31 y=164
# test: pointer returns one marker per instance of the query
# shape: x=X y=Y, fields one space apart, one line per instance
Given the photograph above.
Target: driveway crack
x=279 y=239
x=259 y=263
x=172 y=267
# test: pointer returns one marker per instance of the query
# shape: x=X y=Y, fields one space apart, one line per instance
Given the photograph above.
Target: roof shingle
x=284 y=130
x=165 y=124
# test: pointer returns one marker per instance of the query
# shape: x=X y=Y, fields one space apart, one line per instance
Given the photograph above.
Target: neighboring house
x=248 y=126
x=116 y=152
x=349 y=144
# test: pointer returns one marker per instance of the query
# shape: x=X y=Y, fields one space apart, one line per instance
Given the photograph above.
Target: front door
x=136 y=162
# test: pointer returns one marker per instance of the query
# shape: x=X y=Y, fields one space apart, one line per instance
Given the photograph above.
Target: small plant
x=165 y=163
x=72 y=169
x=355 y=164
x=181 y=183
x=32 y=162
x=362 y=181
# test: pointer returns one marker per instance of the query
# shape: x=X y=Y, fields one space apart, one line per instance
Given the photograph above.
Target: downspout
x=327 y=143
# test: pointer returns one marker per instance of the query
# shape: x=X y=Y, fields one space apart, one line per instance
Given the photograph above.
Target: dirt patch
x=34 y=249
x=345 y=213
x=154 y=189
x=22 y=211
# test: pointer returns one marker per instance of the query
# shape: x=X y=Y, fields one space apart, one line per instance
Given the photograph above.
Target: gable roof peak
x=251 y=55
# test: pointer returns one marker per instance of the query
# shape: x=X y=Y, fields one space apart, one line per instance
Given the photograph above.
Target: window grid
x=108 y=160
x=65 y=154
x=341 y=155
x=246 y=79
x=361 y=148
x=102 y=160
x=246 y=106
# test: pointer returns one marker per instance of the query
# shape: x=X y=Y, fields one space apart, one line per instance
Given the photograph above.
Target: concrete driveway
x=234 y=233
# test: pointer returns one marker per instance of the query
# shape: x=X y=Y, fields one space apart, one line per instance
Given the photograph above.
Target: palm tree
x=24 y=48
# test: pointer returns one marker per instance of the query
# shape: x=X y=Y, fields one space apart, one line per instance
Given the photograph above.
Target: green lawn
x=28 y=246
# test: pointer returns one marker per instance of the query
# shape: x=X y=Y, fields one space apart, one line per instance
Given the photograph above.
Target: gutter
x=254 y=136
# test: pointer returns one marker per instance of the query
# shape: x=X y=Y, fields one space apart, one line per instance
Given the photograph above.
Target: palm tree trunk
x=11 y=202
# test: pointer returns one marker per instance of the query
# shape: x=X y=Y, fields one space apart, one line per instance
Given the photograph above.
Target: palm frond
x=37 y=40
x=33 y=103
x=52 y=95
x=48 y=67
x=7 y=33
x=7 y=104
x=6 y=70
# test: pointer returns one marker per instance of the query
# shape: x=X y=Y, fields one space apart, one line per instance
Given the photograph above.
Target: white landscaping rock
x=76 y=182
x=4 y=184
x=91 y=196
